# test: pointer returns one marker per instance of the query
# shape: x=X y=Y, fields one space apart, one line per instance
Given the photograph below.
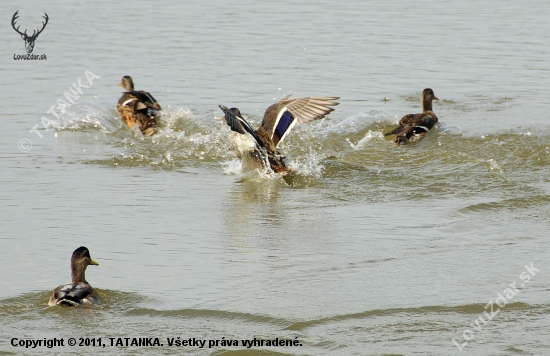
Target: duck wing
x=73 y=295
x=408 y=119
x=146 y=98
x=238 y=124
x=138 y=100
x=418 y=122
x=427 y=121
x=282 y=116
x=427 y=118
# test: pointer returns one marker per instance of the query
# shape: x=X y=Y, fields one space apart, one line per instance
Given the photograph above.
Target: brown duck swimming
x=79 y=291
x=138 y=107
x=413 y=127
x=278 y=120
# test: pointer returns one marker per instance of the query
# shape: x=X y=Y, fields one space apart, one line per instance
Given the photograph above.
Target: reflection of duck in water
x=278 y=120
x=79 y=291
x=138 y=107
x=413 y=127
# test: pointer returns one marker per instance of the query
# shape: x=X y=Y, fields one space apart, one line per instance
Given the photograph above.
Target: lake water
x=367 y=248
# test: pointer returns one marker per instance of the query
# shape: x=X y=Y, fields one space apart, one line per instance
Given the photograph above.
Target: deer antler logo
x=29 y=40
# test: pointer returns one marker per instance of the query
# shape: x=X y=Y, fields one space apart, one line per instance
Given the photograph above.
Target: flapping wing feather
x=239 y=124
x=282 y=116
x=285 y=123
x=309 y=109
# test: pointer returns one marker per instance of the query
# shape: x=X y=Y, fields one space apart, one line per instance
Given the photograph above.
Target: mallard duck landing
x=138 y=107
x=414 y=126
x=278 y=120
x=79 y=291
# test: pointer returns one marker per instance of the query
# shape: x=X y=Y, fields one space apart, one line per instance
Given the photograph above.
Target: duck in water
x=138 y=107
x=277 y=123
x=79 y=291
x=413 y=127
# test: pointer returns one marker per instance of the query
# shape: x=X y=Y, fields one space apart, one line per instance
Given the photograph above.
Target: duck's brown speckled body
x=138 y=107
x=414 y=126
x=278 y=120
x=79 y=291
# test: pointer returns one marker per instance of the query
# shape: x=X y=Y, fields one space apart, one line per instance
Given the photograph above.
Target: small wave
x=368 y=137
x=444 y=129
x=360 y=122
x=426 y=310
x=39 y=300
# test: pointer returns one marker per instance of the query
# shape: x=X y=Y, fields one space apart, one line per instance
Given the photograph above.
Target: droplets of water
x=308 y=165
x=365 y=140
x=494 y=166
x=232 y=167
x=85 y=116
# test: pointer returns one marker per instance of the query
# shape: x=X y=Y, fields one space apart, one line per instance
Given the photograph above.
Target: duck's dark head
x=79 y=261
x=127 y=83
x=427 y=97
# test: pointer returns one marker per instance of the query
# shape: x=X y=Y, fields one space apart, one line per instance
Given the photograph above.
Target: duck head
x=127 y=83
x=427 y=97
x=79 y=261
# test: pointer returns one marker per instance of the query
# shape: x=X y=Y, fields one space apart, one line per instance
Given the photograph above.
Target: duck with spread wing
x=278 y=121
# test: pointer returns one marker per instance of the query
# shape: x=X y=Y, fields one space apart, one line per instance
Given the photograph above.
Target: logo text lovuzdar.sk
x=29 y=39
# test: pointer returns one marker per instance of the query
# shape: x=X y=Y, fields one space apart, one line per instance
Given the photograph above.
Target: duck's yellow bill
x=92 y=262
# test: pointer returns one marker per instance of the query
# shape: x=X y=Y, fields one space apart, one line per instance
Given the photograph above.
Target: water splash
x=86 y=116
x=368 y=137
x=327 y=151
x=308 y=165
x=232 y=167
x=442 y=128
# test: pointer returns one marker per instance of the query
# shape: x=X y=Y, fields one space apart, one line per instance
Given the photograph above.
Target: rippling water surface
x=365 y=248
